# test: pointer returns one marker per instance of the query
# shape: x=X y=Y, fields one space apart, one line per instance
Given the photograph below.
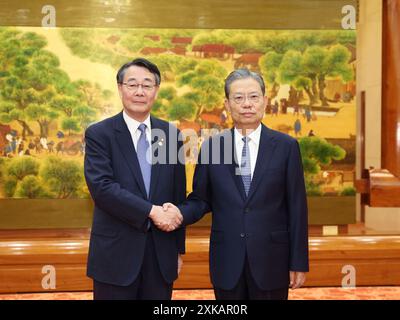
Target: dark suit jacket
x=270 y=225
x=121 y=210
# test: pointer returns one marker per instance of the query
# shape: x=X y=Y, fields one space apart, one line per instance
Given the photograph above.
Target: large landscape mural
x=55 y=82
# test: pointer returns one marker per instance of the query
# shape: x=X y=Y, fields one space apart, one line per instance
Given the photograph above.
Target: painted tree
x=134 y=42
x=19 y=56
x=320 y=63
x=28 y=83
x=313 y=58
x=70 y=124
x=91 y=95
x=8 y=50
x=269 y=66
x=309 y=71
x=85 y=100
x=172 y=66
x=21 y=167
x=64 y=104
x=171 y=106
x=281 y=41
x=242 y=42
x=315 y=152
x=290 y=72
x=43 y=115
x=182 y=108
x=9 y=187
x=40 y=107
x=16 y=170
x=208 y=37
x=304 y=83
x=64 y=178
x=277 y=42
x=33 y=88
x=45 y=77
x=206 y=84
x=84 y=116
x=79 y=40
x=30 y=187
x=163 y=102
x=336 y=63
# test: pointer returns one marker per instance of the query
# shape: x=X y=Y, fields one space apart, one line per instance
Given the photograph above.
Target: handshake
x=167 y=218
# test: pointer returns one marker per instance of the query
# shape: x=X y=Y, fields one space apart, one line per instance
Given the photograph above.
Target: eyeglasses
x=133 y=86
x=252 y=97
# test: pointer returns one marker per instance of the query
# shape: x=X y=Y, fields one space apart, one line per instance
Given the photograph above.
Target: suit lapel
x=124 y=140
x=264 y=156
x=155 y=168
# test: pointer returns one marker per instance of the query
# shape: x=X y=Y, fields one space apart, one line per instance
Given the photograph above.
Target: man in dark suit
x=251 y=179
x=131 y=169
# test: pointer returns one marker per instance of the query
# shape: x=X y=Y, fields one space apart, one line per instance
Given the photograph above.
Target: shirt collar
x=133 y=124
x=254 y=136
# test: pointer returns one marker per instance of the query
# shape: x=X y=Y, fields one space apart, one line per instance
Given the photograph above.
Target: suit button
x=247 y=210
x=242 y=235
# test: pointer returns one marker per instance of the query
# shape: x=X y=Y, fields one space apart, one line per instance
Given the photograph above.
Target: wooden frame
x=376 y=259
x=390 y=87
x=23 y=256
x=383 y=185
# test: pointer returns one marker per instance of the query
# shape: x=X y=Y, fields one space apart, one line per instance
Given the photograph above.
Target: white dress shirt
x=254 y=142
x=133 y=127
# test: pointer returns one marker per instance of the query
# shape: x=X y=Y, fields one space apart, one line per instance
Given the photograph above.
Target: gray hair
x=243 y=74
x=140 y=62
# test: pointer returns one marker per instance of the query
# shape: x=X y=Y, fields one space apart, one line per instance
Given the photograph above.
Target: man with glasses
x=256 y=193
x=130 y=257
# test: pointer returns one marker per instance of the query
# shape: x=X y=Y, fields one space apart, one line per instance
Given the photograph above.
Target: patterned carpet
x=362 y=293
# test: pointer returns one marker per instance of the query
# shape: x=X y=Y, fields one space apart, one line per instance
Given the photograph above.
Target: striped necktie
x=145 y=165
x=245 y=168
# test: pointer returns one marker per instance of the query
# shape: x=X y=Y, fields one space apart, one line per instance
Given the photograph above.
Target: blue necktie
x=245 y=168
x=145 y=165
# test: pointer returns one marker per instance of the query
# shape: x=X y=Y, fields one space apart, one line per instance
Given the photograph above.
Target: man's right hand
x=166 y=218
